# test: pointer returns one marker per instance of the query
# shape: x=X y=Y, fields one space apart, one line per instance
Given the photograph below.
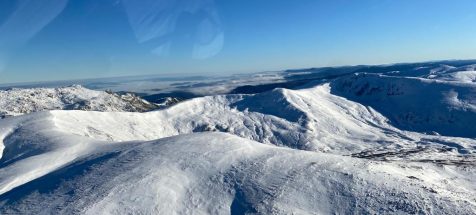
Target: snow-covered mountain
x=216 y=173
x=417 y=104
x=366 y=143
x=14 y=102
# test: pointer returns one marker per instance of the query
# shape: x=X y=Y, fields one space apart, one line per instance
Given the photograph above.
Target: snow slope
x=417 y=104
x=336 y=146
x=216 y=173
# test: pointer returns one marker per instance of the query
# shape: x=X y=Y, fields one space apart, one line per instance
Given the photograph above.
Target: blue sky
x=75 y=39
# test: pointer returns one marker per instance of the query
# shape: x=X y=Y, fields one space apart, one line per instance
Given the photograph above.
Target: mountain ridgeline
x=391 y=139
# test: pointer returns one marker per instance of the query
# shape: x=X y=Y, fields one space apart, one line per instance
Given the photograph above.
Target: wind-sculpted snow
x=215 y=173
x=364 y=144
x=15 y=102
x=310 y=119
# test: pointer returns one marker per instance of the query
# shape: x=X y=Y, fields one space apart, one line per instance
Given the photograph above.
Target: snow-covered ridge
x=14 y=102
x=337 y=146
x=309 y=119
x=416 y=104
x=216 y=173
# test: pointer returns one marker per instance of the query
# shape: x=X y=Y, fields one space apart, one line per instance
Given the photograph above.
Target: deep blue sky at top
x=71 y=39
